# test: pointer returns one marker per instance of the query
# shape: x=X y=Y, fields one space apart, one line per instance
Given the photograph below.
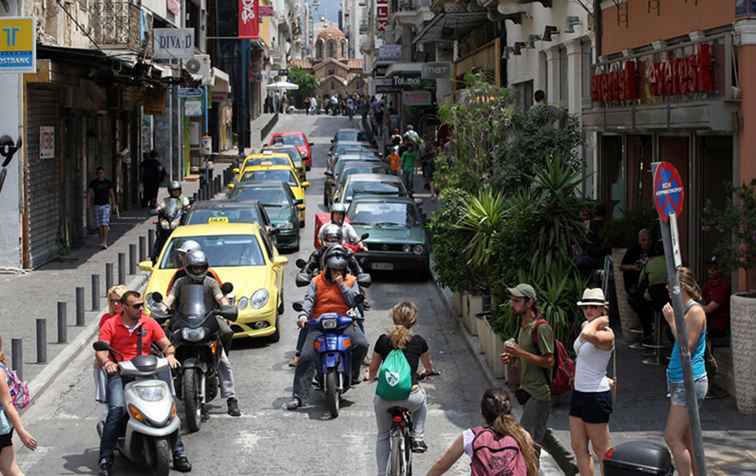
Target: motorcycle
x=152 y=426
x=334 y=372
x=195 y=334
x=169 y=218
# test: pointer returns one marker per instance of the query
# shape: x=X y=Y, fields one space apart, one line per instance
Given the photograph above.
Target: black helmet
x=174 y=185
x=332 y=235
x=335 y=259
x=196 y=265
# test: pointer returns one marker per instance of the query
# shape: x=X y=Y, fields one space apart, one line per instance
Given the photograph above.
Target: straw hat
x=593 y=297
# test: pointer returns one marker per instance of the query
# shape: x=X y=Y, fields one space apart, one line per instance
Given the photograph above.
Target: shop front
x=674 y=103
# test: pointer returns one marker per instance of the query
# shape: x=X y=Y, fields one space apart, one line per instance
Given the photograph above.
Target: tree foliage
x=307 y=85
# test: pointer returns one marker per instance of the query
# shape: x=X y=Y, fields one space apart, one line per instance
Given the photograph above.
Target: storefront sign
x=189 y=92
x=265 y=10
x=46 y=142
x=18 y=45
x=390 y=52
x=192 y=108
x=382 y=14
x=416 y=98
x=436 y=71
x=173 y=43
x=249 y=19
x=640 y=78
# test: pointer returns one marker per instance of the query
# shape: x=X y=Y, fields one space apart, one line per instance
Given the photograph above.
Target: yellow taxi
x=276 y=173
x=238 y=253
x=266 y=158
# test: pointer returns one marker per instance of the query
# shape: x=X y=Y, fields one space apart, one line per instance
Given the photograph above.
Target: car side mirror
x=365 y=236
x=418 y=202
x=230 y=186
x=300 y=263
x=280 y=261
x=328 y=173
x=229 y=312
x=236 y=170
x=274 y=231
x=305 y=184
x=297 y=306
x=312 y=144
x=227 y=288
x=157 y=298
x=145 y=266
x=333 y=141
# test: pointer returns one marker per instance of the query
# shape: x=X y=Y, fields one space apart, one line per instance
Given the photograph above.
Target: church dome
x=331 y=32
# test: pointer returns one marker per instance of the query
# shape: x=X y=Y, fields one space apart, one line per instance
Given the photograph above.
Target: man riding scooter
x=333 y=290
x=171 y=213
x=197 y=271
x=338 y=214
x=331 y=235
x=121 y=334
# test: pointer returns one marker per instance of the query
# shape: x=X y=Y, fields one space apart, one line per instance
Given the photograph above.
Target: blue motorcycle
x=334 y=374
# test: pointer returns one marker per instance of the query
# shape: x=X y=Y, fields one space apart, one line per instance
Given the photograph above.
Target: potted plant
x=738 y=217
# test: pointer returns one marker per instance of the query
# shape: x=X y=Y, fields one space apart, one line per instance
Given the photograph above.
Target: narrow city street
x=267 y=440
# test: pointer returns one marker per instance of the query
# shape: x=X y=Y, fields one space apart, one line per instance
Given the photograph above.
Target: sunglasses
x=138 y=305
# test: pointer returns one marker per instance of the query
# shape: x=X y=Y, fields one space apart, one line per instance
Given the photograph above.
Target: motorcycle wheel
x=332 y=392
x=192 y=405
x=163 y=458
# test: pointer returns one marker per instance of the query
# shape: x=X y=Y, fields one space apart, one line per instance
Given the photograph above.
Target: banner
x=249 y=19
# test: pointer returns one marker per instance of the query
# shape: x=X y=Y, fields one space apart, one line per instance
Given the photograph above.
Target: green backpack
x=394 y=377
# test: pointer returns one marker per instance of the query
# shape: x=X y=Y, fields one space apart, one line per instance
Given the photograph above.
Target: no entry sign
x=669 y=191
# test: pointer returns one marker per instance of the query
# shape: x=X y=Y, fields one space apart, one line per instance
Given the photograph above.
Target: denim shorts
x=677 y=391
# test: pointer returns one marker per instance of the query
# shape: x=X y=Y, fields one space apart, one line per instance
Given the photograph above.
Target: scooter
x=195 y=333
x=334 y=374
x=153 y=426
x=168 y=219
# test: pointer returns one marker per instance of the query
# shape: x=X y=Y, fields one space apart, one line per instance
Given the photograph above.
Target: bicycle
x=400 y=439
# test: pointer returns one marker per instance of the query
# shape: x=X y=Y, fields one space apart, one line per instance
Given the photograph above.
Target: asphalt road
x=267 y=440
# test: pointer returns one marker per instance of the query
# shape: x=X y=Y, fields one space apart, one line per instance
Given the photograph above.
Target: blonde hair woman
x=415 y=349
x=677 y=433
x=10 y=420
x=114 y=309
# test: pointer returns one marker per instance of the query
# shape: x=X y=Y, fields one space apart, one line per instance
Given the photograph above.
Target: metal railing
x=117 y=24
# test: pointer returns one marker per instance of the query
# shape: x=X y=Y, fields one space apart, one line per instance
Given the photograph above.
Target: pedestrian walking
x=101 y=198
x=534 y=350
x=678 y=432
x=500 y=447
x=395 y=162
x=591 y=400
x=409 y=157
x=153 y=174
x=10 y=421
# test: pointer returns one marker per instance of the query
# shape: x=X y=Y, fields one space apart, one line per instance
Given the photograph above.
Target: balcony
x=411 y=12
x=118 y=25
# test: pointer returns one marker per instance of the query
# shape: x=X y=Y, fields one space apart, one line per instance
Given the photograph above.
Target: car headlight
x=418 y=249
x=243 y=303
x=260 y=298
x=407 y=248
x=329 y=323
x=285 y=226
x=192 y=335
x=150 y=393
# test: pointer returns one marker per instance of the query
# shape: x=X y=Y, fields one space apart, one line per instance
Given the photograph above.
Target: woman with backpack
x=591 y=401
x=500 y=447
x=399 y=352
x=10 y=420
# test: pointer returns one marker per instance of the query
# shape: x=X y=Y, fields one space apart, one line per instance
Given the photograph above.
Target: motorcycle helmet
x=338 y=208
x=335 y=261
x=332 y=235
x=196 y=265
x=185 y=248
x=174 y=185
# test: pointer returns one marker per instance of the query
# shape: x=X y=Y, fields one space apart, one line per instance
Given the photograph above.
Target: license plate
x=382 y=266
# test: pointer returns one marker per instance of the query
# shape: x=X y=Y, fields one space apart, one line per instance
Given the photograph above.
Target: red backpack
x=562 y=376
x=496 y=455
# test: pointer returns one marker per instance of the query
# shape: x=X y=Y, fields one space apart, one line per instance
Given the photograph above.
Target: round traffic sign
x=669 y=191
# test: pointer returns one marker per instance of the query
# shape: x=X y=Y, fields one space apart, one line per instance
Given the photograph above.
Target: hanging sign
x=669 y=191
x=249 y=19
x=46 y=142
x=192 y=108
x=173 y=43
x=382 y=14
x=18 y=45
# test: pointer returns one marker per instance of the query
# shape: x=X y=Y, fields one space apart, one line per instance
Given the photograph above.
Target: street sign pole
x=668 y=225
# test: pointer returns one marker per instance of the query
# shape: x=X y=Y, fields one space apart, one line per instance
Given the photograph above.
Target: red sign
x=249 y=19
x=669 y=191
x=266 y=10
x=671 y=77
x=382 y=14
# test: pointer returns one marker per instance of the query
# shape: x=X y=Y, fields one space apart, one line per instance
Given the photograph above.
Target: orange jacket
x=328 y=296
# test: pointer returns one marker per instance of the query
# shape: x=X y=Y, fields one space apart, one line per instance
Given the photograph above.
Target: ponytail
x=505 y=425
x=404 y=316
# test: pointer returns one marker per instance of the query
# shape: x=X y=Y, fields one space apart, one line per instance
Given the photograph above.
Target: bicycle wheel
x=397 y=459
x=407 y=454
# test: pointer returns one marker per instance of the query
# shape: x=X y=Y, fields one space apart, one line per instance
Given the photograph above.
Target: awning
x=438 y=28
x=220 y=82
x=165 y=70
x=409 y=69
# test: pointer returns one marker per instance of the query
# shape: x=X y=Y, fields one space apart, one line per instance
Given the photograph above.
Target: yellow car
x=238 y=253
x=265 y=158
x=276 y=173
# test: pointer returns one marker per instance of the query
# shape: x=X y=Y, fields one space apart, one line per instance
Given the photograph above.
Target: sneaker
x=293 y=404
x=105 y=466
x=419 y=446
x=294 y=361
x=181 y=464
x=233 y=407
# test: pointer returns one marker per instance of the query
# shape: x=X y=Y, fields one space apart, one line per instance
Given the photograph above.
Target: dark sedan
x=281 y=207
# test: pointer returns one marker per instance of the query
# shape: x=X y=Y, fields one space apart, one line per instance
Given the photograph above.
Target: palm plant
x=482 y=222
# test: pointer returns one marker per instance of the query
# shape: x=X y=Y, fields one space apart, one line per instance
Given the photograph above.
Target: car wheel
x=280 y=304
x=296 y=246
x=276 y=336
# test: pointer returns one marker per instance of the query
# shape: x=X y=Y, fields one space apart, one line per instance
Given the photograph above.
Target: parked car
x=350 y=135
x=332 y=180
x=370 y=184
x=298 y=139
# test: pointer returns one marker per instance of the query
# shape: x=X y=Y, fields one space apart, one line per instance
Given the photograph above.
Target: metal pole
x=95 y=292
x=62 y=323
x=170 y=129
x=142 y=248
x=132 y=258
x=41 y=341
x=108 y=276
x=80 y=320
x=150 y=240
x=17 y=357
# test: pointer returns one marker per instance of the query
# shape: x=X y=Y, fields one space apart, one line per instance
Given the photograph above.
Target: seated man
x=331 y=235
x=333 y=290
x=338 y=214
x=196 y=269
x=119 y=333
x=184 y=249
x=632 y=263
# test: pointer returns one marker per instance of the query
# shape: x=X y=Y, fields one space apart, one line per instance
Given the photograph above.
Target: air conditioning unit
x=200 y=65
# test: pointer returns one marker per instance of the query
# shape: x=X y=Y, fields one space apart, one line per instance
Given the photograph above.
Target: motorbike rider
x=174 y=191
x=338 y=214
x=197 y=272
x=331 y=235
x=120 y=333
x=182 y=251
x=183 y=205
x=333 y=290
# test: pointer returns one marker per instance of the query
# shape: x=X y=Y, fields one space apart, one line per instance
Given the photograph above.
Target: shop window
x=745 y=7
x=715 y=172
x=614 y=180
x=639 y=156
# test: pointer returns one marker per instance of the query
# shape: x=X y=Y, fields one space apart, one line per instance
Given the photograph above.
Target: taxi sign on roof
x=669 y=191
x=216 y=220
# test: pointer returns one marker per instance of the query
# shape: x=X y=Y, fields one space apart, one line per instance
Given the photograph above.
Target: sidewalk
x=35 y=295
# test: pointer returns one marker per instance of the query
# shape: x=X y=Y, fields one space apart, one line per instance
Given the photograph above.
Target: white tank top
x=590 y=367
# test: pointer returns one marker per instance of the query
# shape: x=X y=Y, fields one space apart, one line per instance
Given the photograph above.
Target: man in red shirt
x=716 y=300
x=122 y=333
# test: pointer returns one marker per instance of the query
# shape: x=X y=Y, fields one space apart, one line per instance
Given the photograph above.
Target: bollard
x=17 y=358
x=95 y=292
x=108 y=276
x=80 y=322
x=41 y=341
x=194 y=197
x=132 y=259
x=62 y=323
x=121 y=268
x=150 y=240
x=142 y=249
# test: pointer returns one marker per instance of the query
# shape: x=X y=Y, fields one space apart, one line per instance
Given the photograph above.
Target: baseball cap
x=523 y=290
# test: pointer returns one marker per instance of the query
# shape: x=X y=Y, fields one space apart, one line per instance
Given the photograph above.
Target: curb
x=47 y=376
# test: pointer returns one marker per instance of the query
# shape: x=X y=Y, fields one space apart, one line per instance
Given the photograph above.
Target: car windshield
x=293 y=140
x=347 y=148
x=344 y=164
x=266 y=196
x=351 y=136
x=270 y=176
x=274 y=160
x=278 y=213
x=375 y=187
x=221 y=251
x=362 y=169
x=293 y=154
x=383 y=214
x=223 y=215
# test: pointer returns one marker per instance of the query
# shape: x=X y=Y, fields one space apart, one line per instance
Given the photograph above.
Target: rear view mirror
x=300 y=263
x=297 y=306
x=301 y=206
x=305 y=184
x=229 y=312
x=235 y=170
x=100 y=346
x=156 y=297
x=365 y=236
x=227 y=288
x=145 y=266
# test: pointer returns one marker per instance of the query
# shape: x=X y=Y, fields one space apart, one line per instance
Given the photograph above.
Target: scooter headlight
x=150 y=393
x=329 y=324
x=260 y=298
x=193 y=335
